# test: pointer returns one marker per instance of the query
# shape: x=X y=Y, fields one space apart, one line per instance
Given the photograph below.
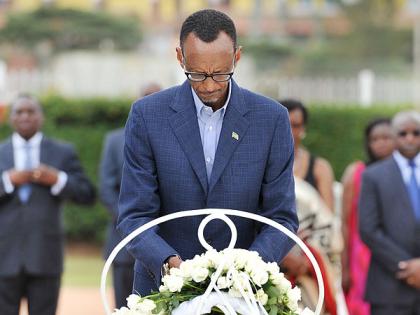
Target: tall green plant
x=70 y=29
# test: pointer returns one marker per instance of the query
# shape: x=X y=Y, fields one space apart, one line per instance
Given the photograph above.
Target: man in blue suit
x=205 y=144
x=390 y=223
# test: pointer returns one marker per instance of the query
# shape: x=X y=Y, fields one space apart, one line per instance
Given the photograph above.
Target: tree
x=374 y=41
x=70 y=29
x=374 y=31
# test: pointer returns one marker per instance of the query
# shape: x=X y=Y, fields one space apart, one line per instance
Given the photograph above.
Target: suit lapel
x=185 y=126
x=8 y=157
x=400 y=187
x=234 y=128
x=45 y=153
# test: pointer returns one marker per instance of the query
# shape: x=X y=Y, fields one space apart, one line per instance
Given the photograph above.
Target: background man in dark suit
x=205 y=144
x=110 y=180
x=390 y=223
x=38 y=173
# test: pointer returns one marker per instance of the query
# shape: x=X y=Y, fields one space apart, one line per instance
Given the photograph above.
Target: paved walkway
x=79 y=301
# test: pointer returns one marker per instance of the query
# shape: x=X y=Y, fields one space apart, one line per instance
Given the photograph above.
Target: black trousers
x=395 y=309
x=41 y=292
x=123 y=276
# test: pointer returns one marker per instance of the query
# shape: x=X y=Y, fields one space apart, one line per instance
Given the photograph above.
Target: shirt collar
x=403 y=161
x=199 y=105
x=35 y=141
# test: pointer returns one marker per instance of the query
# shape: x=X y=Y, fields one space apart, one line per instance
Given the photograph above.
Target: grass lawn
x=83 y=266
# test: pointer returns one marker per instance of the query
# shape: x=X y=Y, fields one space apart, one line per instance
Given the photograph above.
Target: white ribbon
x=248 y=303
x=237 y=305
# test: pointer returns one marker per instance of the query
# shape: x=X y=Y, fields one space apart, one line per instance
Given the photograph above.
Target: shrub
x=70 y=29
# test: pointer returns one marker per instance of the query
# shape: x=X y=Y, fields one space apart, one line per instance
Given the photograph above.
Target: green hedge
x=334 y=132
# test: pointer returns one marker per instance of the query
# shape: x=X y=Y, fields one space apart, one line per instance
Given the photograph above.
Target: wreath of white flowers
x=212 y=290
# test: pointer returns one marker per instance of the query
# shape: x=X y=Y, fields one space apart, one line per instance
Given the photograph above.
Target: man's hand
x=44 y=175
x=18 y=178
x=174 y=262
x=171 y=262
x=410 y=272
x=295 y=263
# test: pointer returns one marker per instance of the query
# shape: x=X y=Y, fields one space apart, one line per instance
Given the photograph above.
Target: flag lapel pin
x=235 y=136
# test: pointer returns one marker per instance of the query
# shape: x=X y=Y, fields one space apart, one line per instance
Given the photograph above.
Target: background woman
x=314 y=180
x=314 y=170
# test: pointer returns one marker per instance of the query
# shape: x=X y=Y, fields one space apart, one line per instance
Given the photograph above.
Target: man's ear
x=238 y=53
x=179 y=56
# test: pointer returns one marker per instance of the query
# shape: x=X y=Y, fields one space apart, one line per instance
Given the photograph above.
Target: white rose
x=213 y=258
x=281 y=282
x=201 y=261
x=273 y=268
x=186 y=269
x=234 y=293
x=146 y=306
x=240 y=281
x=241 y=257
x=277 y=278
x=261 y=297
x=285 y=285
x=294 y=298
x=176 y=272
x=199 y=274
x=225 y=257
x=173 y=283
x=259 y=277
x=132 y=301
x=163 y=288
x=223 y=283
x=295 y=294
x=254 y=263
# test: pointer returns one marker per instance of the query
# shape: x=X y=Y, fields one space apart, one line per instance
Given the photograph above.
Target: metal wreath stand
x=220 y=214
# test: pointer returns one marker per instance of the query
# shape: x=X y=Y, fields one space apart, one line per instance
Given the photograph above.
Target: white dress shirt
x=405 y=168
x=210 y=124
x=19 y=145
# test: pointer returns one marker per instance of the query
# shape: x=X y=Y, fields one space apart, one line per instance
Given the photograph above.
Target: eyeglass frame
x=205 y=76
x=405 y=133
x=189 y=73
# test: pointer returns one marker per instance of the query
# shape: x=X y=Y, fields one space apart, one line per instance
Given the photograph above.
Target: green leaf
x=272 y=301
x=273 y=291
x=160 y=306
x=274 y=309
x=175 y=303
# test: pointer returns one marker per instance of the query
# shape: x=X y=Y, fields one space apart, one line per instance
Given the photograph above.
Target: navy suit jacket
x=32 y=234
x=109 y=190
x=164 y=172
x=389 y=228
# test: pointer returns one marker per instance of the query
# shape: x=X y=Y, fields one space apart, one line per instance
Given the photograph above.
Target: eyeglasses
x=200 y=77
x=404 y=133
